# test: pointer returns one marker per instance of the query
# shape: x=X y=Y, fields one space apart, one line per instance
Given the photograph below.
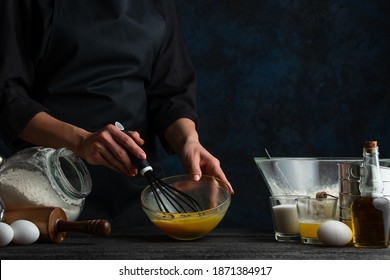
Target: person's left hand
x=197 y=161
x=183 y=139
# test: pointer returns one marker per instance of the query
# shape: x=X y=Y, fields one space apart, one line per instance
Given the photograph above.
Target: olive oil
x=371 y=212
x=370 y=222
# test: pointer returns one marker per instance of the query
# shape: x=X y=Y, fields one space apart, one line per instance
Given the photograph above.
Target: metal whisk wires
x=168 y=198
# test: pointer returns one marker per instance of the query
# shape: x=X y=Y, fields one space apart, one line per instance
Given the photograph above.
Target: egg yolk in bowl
x=212 y=194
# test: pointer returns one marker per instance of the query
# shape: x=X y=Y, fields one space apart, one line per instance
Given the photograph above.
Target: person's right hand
x=109 y=147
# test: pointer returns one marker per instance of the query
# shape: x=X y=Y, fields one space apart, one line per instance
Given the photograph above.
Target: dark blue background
x=300 y=78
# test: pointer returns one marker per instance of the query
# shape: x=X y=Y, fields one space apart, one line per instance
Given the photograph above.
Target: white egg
x=334 y=233
x=25 y=232
x=6 y=234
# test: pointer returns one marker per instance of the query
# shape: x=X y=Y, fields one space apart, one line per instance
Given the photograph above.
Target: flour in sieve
x=19 y=186
x=278 y=188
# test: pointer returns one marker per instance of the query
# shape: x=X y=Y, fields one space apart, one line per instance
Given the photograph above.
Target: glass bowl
x=212 y=194
x=307 y=176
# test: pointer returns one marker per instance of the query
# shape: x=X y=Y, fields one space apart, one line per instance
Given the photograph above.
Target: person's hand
x=109 y=147
x=183 y=139
x=197 y=161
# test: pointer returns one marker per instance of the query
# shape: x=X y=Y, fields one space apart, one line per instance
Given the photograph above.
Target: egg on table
x=25 y=232
x=334 y=233
x=6 y=234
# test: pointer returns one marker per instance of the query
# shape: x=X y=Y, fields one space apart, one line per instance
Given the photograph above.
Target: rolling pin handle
x=96 y=227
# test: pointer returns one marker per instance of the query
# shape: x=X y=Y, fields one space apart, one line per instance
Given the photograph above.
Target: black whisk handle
x=142 y=164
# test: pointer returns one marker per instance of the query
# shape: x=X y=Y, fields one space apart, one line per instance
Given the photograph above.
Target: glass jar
x=47 y=177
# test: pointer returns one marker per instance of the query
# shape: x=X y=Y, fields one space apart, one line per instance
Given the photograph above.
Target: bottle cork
x=371 y=146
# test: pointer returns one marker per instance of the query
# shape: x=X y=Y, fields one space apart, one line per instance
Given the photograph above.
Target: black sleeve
x=16 y=67
x=172 y=91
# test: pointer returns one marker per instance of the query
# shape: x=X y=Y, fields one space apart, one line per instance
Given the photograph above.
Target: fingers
x=136 y=137
x=192 y=165
x=217 y=172
x=195 y=172
x=204 y=162
x=223 y=178
x=110 y=147
x=128 y=142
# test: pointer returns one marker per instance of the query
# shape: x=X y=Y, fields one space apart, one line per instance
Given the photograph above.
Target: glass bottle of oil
x=371 y=211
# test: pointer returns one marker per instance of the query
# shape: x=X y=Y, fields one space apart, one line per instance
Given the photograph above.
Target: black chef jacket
x=91 y=63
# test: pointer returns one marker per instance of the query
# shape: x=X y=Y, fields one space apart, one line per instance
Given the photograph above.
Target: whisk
x=166 y=196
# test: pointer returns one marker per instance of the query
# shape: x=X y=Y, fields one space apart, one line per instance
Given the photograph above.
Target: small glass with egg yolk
x=312 y=212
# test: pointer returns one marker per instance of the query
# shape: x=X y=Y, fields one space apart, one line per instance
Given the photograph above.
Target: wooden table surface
x=150 y=244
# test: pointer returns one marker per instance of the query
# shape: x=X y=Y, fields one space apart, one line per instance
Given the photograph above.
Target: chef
x=69 y=69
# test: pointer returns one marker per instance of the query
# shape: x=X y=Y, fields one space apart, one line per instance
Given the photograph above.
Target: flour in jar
x=20 y=186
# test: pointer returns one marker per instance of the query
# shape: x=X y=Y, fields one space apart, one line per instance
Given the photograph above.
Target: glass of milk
x=285 y=217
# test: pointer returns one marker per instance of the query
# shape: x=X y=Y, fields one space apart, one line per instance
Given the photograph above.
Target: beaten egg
x=187 y=226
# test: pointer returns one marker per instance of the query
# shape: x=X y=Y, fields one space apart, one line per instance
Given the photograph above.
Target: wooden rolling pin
x=52 y=222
